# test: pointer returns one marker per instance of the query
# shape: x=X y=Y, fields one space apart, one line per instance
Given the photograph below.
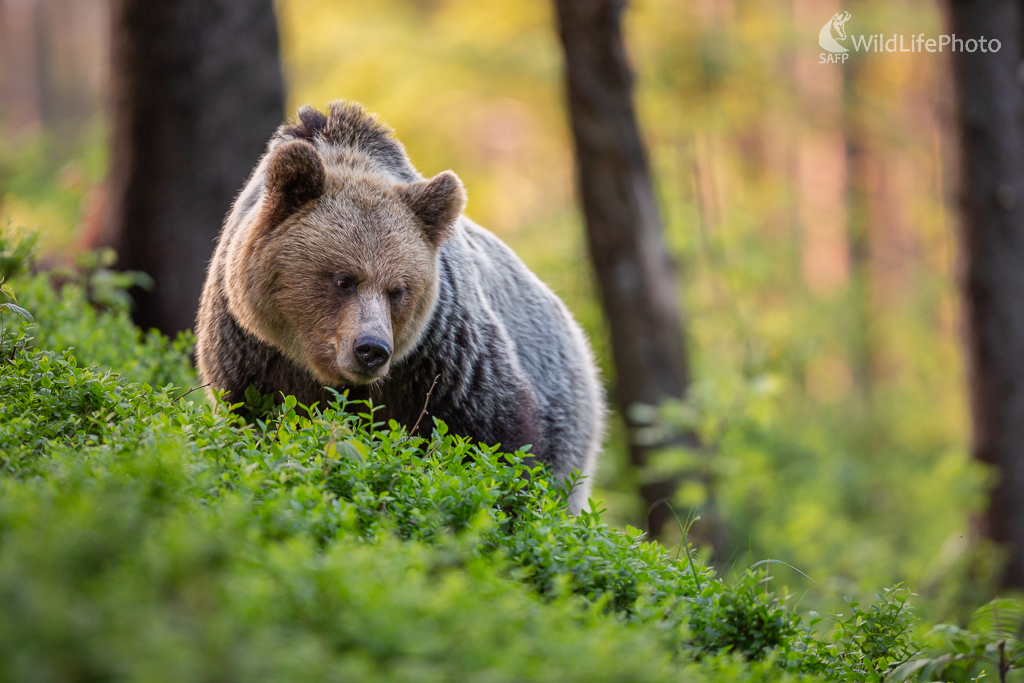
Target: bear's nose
x=370 y=351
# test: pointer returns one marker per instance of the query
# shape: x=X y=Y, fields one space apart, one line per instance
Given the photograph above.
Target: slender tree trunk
x=634 y=271
x=197 y=91
x=858 y=218
x=991 y=122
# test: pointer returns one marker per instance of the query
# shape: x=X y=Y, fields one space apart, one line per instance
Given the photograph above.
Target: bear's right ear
x=296 y=175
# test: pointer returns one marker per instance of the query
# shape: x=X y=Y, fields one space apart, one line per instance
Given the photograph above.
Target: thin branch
x=769 y=561
x=193 y=389
x=650 y=509
x=424 y=411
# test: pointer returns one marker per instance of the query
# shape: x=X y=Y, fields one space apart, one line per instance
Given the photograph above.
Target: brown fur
x=337 y=238
x=296 y=175
x=336 y=248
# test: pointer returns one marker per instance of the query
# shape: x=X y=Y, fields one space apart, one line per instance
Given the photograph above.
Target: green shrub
x=114 y=569
x=86 y=309
x=866 y=644
x=991 y=647
x=147 y=534
x=143 y=536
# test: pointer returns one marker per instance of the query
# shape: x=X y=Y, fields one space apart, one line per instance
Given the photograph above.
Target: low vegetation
x=146 y=534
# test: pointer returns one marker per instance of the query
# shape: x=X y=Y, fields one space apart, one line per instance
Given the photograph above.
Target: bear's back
x=549 y=346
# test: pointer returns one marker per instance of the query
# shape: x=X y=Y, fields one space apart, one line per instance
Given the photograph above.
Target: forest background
x=810 y=209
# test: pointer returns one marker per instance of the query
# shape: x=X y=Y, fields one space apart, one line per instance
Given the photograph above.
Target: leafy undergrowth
x=144 y=535
x=148 y=535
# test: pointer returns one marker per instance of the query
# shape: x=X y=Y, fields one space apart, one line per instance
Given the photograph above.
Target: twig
x=769 y=563
x=425 y=402
x=690 y=520
x=280 y=421
x=650 y=509
x=193 y=389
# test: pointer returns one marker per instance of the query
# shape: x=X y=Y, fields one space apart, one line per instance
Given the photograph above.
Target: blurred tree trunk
x=20 y=77
x=991 y=122
x=197 y=92
x=858 y=219
x=634 y=271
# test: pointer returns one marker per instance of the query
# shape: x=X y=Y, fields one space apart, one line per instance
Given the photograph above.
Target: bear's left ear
x=437 y=203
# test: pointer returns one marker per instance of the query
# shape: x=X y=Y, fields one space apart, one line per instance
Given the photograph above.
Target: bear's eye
x=344 y=282
x=395 y=294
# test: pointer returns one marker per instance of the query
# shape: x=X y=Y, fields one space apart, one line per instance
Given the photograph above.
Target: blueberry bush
x=148 y=533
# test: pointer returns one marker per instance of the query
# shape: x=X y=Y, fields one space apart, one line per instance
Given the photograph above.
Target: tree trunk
x=991 y=122
x=197 y=92
x=634 y=272
x=858 y=196
x=20 y=78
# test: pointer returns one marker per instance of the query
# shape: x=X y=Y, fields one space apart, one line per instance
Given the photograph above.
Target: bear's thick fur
x=341 y=266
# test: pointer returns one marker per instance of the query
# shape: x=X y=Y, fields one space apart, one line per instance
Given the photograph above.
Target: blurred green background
x=809 y=207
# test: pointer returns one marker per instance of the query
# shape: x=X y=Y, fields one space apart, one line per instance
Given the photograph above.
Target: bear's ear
x=296 y=175
x=437 y=203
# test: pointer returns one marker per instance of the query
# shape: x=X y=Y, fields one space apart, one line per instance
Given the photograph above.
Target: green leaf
x=1000 y=618
x=17 y=310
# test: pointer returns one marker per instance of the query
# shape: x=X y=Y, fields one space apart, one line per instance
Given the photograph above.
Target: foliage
x=991 y=646
x=746 y=618
x=145 y=534
x=16 y=250
x=87 y=309
x=868 y=644
x=112 y=569
x=10 y=307
x=813 y=498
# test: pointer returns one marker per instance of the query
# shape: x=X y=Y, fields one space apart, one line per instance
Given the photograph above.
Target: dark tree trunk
x=991 y=122
x=197 y=92
x=634 y=271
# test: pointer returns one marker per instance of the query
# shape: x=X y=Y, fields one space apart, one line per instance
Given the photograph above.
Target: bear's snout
x=370 y=351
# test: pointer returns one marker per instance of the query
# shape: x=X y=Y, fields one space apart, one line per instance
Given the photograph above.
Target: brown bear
x=341 y=267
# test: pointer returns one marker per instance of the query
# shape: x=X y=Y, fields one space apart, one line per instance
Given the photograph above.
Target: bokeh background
x=810 y=208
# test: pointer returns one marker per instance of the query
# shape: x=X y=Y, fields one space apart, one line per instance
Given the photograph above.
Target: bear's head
x=338 y=267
